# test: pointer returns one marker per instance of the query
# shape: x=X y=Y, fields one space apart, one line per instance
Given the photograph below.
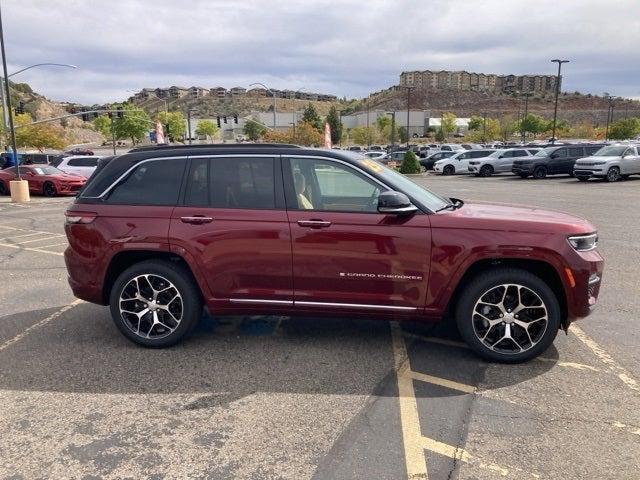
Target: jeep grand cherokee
x=159 y=233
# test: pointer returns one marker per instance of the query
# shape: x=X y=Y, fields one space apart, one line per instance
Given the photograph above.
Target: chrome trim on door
x=352 y=305
x=257 y=300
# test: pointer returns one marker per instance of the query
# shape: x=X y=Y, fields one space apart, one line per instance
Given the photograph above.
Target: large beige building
x=490 y=82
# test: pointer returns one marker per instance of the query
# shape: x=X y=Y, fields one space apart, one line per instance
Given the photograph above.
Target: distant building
x=419 y=120
x=218 y=92
x=257 y=92
x=178 y=92
x=196 y=92
x=238 y=91
x=463 y=80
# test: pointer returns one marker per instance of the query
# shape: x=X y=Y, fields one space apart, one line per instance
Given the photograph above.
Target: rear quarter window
x=151 y=183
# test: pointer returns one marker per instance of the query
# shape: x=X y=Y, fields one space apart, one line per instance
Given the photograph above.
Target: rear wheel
x=540 y=172
x=448 y=170
x=613 y=175
x=486 y=171
x=49 y=190
x=508 y=315
x=155 y=303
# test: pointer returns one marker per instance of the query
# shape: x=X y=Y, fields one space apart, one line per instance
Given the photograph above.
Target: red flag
x=327 y=135
x=159 y=132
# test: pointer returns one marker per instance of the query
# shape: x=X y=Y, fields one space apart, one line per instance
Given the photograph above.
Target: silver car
x=611 y=162
x=498 y=161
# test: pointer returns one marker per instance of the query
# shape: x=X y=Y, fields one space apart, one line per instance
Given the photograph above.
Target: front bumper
x=583 y=278
x=588 y=172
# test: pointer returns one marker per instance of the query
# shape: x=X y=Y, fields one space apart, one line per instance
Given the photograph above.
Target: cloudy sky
x=343 y=47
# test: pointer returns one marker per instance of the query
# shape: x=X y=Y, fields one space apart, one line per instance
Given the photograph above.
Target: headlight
x=599 y=163
x=584 y=243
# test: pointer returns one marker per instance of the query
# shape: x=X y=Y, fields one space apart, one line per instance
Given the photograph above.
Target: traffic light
x=235 y=119
x=218 y=120
x=225 y=119
x=20 y=108
x=85 y=116
x=120 y=112
x=73 y=110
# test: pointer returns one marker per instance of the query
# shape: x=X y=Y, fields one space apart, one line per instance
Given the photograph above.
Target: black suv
x=554 y=160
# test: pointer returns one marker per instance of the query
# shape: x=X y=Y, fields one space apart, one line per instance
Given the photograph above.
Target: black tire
x=184 y=283
x=477 y=288
x=613 y=175
x=523 y=175
x=486 y=171
x=448 y=170
x=583 y=178
x=540 y=173
x=49 y=190
x=3 y=189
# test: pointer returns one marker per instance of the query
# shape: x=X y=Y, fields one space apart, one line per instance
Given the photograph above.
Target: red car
x=160 y=232
x=43 y=179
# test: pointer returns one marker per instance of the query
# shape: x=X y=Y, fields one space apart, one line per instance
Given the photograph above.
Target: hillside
x=573 y=107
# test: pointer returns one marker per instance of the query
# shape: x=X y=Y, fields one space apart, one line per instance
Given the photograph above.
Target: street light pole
x=189 y=123
x=274 y=99
x=610 y=99
x=523 y=132
x=408 y=87
x=555 y=107
x=8 y=99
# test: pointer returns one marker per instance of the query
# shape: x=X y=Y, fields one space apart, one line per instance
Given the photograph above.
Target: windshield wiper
x=455 y=204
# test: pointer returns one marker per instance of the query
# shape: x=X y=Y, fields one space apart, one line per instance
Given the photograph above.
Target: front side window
x=560 y=153
x=242 y=183
x=330 y=186
x=520 y=153
x=151 y=183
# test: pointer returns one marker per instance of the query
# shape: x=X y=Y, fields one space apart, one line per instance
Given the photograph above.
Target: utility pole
x=610 y=99
x=8 y=100
x=189 y=123
x=555 y=107
x=113 y=133
x=484 y=127
x=368 y=134
x=408 y=87
x=523 y=131
x=393 y=129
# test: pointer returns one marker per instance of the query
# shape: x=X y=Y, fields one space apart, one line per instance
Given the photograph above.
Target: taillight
x=73 y=218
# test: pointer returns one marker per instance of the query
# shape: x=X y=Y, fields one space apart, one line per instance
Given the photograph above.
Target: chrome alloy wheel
x=510 y=318
x=151 y=306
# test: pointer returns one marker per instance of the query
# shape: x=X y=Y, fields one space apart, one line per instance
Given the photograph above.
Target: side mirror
x=396 y=203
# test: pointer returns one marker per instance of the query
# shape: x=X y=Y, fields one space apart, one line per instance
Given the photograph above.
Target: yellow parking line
x=30 y=249
x=39 y=324
x=414 y=457
x=443 y=382
x=600 y=352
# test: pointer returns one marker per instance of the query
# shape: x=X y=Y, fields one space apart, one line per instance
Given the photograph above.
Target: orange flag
x=327 y=135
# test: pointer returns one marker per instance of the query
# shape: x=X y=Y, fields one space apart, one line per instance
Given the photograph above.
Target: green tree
x=254 y=130
x=440 y=136
x=174 y=125
x=311 y=116
x=333 y=119
x=624 y=128
x=507 y=126
x=134 y=124
x=532 y=123
x=364 y=136
x=475 y=123
x=382 y=122
x=41 y=136
x=448 y=123
x=410 y=163
x=487 y=131
x=206 y=128
x=403 y=135
x=102 y=124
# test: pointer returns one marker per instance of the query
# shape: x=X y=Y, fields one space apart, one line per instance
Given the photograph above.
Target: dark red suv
x=160 y=232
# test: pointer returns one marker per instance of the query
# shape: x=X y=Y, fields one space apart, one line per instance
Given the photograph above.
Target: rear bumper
x=82 y=278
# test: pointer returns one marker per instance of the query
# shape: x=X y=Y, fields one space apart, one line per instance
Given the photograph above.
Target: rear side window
x=197 y=189
x=242 y=183
x=151 y=183
x=83 y=162
x=576 y=152
x=520 y=153
x=479 y=154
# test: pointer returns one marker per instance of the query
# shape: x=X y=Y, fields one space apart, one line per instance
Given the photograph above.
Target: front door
x=233 y=223
x=346 y=255
x=630 y=162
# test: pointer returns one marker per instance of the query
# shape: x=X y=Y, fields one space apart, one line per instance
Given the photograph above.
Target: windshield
x=429 y=199
x=611 y=151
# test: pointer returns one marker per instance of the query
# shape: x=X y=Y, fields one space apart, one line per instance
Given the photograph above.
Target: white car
x=499 y=161
x=612 y=163
x=375 y=154
x=458 y=162
x=83 y=165
x=451 y=147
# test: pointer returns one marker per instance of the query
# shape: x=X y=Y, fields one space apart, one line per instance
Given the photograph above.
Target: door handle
x=314 y=223
x=196 y=219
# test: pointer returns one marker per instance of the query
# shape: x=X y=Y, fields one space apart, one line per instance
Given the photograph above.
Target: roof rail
x=163 y=146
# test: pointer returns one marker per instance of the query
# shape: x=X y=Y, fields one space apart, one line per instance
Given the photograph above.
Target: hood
x=592 y=160
x=520 y=218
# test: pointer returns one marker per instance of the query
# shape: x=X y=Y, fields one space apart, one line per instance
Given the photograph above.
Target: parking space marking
x=414 y=457
x=51 y=235
x=20 y=236
x=443 y=382
x=54 y=245
x=30 y=249
x=441 y=341
x=39 y=324
x=602 y=354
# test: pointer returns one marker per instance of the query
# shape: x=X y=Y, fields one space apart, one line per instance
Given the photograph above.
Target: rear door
x=346 y=255
x=574 y=153
x=232 y=222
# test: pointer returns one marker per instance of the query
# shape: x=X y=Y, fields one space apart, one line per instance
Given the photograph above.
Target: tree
x=448 y=123
x=507 y=127
x=311 y=117
x=532 y=123
x=134 y=124
x=102 y=124
x=307 y=134
x=403 y=135
x=624 y=128
x=364 y=136
x=382 y=122
x=440 y=136
x=174 y=124
x=475 y=123
x=487 y=131
x=410 y=163
x=206 y=128
x=254 y=130
x=40 y=136
x=333 y=119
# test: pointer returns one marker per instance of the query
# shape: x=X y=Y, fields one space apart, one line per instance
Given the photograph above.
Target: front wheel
x=540 y=173
x=155 y=303
x=448 y=170
x=486 y=171
x=613 y=175
x=508 y=315
x=49 y=190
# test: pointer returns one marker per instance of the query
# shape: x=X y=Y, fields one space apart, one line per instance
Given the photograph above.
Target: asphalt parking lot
x=274 y=397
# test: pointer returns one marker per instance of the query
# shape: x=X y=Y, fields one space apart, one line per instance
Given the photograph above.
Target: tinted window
x=560 y=153
x=591 y=150
x=242 y=183
x=508 y=154
x=520 y=153
x=83 y=162
x=479 y=154
x=151 y=183
x=197 y=188
x=576 y=152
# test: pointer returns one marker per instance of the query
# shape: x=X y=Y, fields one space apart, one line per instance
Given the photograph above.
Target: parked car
x=79 y=165
x=376 y=148
x=355 y=148
x=452 y=147
x=43 y=179
x=428 y=162
x=458 y=162
x=396 y=156
x=498 y=161
x=553 y=160
x=39 y=158
x=611 y=163
x=375 y=154
x=471 y=146
x=159 y=232
x=79 y=151
x=424 y=151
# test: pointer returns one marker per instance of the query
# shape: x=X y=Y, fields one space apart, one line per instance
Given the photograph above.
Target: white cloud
x=343 y=47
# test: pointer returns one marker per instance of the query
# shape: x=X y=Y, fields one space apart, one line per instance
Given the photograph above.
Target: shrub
x=410 y=163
